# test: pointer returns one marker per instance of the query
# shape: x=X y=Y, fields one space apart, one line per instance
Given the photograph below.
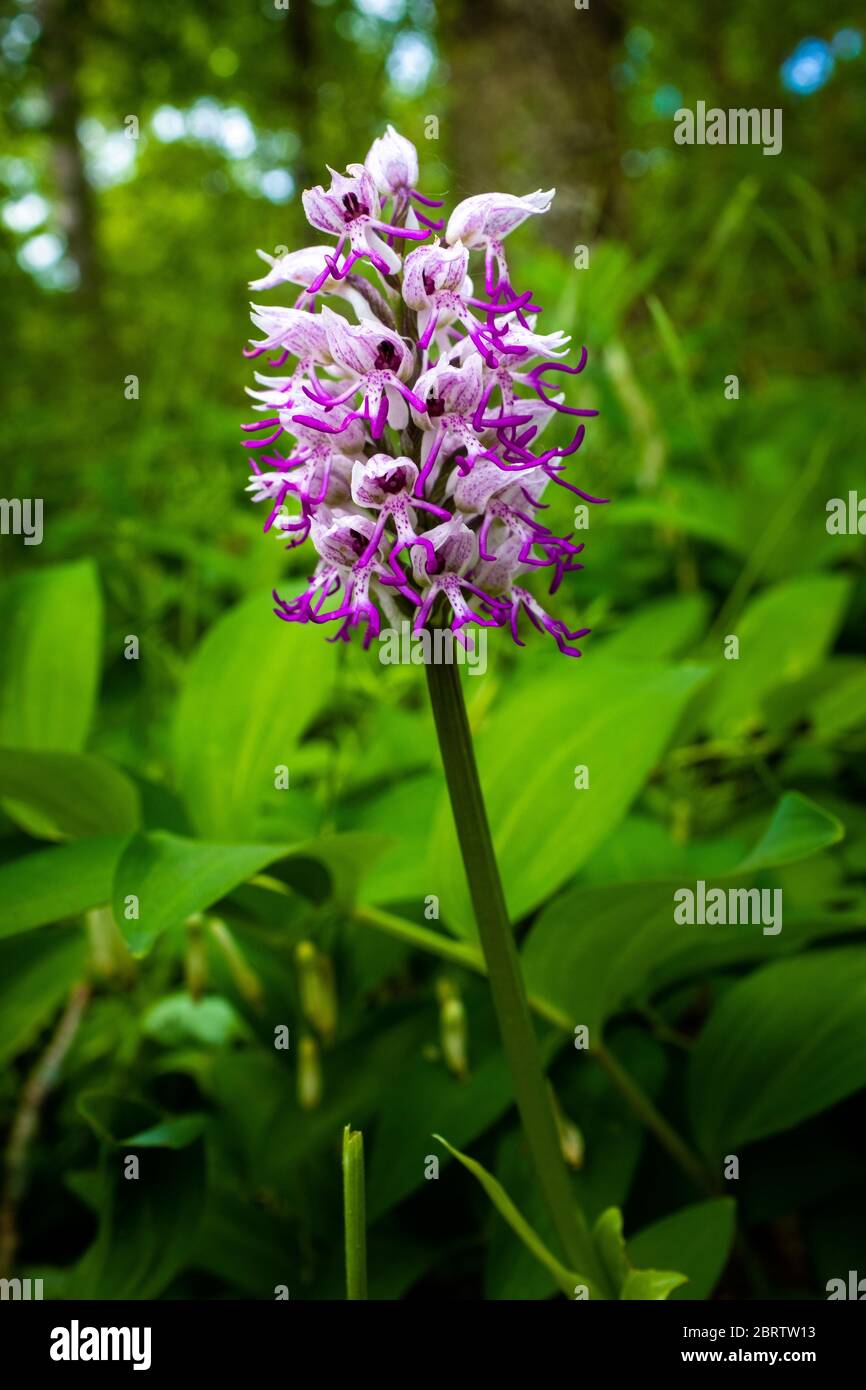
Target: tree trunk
x=531 y=105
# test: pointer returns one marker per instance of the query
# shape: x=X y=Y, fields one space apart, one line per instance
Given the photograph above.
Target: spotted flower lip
x=399 y=437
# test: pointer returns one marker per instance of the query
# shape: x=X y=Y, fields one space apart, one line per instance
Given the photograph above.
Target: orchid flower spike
x=397 y=430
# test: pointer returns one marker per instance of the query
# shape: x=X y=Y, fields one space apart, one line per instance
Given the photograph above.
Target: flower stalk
x=503 y=967
x=354 y=1209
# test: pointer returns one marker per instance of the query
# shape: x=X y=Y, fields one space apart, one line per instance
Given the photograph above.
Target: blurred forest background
x=147 y=151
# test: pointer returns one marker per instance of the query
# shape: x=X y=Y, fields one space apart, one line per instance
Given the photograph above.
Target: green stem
x=354 y=1209
x=654 y=1120
x=503 y=969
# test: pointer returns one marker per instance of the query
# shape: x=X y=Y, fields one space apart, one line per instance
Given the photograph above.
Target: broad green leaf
x=174 y=1132
x=651 y=1284
x=52 y=637
x=799 y=828
x=133 y=1124
x=657 y=630
x=566 y=1279
x=51 y=884
x=615 y=720
x=36 y=974
x=402 y=814
x=630 y=1283
x=686 y=506
x=250 y=693
x=843 y=705
x=784 y=1043
x=698 y=1239
x=593 y=949
x=147 y=1228
x=783 y=634
x=171 y=878
x=58 y=795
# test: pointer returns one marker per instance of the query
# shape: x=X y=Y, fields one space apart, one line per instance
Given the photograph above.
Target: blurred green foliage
x=128 y=258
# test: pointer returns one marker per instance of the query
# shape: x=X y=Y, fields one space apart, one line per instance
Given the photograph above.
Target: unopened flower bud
x=453 y=1029
x=309 y=1074
x=195 y=957
x=570 y=1137
x=246 y=981
x=317 y=989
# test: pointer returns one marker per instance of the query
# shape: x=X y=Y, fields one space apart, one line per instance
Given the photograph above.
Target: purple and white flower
x=402 y=438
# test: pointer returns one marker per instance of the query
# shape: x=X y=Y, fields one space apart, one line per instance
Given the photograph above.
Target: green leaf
x=172 y=878
x=783 y=634
x=56 y=794
x=657 y=630
x=148 y=1227
x=630 y=1283
x=784 y=1043
x=651 y=1284
x=179 y=1019
x=36 y=974
x=799 y=828
x=565 y=1278
x=51 y=884
x=52 y=636
x=843 y=705
x=174 y=1132
x=118 y=1120
x=593 y=949
x=251 y=691
x=613 y=719
x=610 y=1244
x=698 y=1239
x=111 y=1115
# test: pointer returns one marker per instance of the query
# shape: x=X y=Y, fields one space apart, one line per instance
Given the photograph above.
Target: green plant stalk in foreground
x=354 y=1209
x=503 y=969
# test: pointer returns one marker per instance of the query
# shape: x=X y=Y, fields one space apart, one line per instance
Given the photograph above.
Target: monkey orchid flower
x=409 y=421
x=483 y=221
x=350 y=211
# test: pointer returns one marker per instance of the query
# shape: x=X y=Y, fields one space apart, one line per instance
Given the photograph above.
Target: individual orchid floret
x=451 y=587
x=298 y=333
x=392 y=162
x=304 y=267
x=385 y=484
x=484 y=220
x=436 y=285
x=346 y=543
x=455 y=398
x=378 y=361
x=350 y=211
